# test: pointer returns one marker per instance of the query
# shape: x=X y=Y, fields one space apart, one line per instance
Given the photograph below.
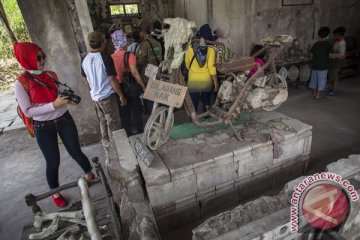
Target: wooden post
x=6 y=24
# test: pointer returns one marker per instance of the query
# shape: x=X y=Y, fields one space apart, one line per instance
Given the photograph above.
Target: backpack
x=153 y=52
x=129 y=85
x=28 y=122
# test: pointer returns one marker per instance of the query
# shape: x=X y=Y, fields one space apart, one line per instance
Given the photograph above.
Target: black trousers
x=132 y=114
x=46 y=136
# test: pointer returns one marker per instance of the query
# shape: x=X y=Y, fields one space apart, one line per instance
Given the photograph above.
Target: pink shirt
x=39 y=112
x=118 y=58
x=258 y=64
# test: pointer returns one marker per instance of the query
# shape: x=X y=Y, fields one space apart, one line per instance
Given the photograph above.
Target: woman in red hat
x=49 y=113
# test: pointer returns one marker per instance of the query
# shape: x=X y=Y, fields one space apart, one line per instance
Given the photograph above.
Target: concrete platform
x=193 y=177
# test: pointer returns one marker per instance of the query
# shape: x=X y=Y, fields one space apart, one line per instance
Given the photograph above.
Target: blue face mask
x=36 y=72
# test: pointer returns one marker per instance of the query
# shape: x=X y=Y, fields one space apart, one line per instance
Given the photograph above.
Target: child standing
x=338 y=53
x=320 y=63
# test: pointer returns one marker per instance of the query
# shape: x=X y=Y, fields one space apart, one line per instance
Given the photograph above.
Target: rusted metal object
x=60 y=226
x=109 y=199
x=239 y=64
x=74 y=217
x=239 y=93
x=48 y=231
x=89 y=211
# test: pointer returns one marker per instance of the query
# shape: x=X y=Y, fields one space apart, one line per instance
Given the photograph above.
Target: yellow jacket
x=200 y=78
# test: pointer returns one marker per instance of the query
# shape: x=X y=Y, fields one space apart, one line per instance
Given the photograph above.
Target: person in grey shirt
x=338 y=55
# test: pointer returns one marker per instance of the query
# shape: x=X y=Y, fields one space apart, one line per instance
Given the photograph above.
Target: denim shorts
x=318 y=79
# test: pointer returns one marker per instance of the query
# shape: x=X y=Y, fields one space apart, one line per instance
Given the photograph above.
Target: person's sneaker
x=59 y=201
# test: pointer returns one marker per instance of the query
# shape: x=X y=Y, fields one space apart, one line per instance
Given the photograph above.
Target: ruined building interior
x=232 y=182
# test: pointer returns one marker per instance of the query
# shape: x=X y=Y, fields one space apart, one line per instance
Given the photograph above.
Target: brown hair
x=145 y=27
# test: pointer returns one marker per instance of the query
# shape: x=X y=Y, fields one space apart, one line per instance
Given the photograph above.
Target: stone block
x=297 y=125
x=261 y=158
x=288 y=173
x=175 y=175
x=242 y=153
x=205 y=194
x=172 y=191
x=255 y=187
x=125 y=151
x=345 y=167
x=185 y=202
x=226 y=173
x=203 y=166
x=135 y=191
x=225 y=187
x=178 y=218
x=291 y=149
x=257 y=145
x=165 y=209
x=243 y=179
x=355 y=156
x=261 y=116
x=307 y=145
x=261 y=173
x=157 y=173
x=224 y=159
x=216 y=176
x=216 y=204
x=205 y=179
x=304 y=134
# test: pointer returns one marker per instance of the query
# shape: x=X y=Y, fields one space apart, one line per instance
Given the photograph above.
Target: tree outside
x=8 y=65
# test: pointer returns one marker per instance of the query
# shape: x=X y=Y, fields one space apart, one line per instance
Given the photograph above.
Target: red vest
x=38 y=93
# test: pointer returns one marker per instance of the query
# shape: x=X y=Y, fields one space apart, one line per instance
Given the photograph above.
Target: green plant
x=17 y=24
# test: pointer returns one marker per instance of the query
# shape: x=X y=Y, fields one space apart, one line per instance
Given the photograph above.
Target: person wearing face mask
x=49 y=113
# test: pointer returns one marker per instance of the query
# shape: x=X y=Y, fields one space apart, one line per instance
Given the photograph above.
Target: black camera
x=69 y=93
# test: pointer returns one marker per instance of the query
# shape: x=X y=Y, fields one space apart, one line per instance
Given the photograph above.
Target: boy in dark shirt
x=320 y=63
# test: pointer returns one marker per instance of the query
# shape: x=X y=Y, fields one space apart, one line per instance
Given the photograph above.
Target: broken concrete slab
x=137 y=217
x=268 y=217
x=345 y=166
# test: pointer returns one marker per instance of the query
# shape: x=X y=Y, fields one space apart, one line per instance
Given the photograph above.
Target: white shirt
x=96 y=68
x=38 y=112
x=339 y=48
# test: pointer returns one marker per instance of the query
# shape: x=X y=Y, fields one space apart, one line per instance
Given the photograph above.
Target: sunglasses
x=41 y=57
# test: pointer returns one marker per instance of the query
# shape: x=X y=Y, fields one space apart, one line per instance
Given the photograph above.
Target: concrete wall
x=50 y=27
x=194 y=10
x=252 y=20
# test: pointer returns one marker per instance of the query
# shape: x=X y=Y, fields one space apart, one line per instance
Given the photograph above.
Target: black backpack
x=129 y=86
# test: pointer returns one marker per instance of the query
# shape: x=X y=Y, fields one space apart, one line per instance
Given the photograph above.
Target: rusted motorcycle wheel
x=275 y=81
x=156 y=132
